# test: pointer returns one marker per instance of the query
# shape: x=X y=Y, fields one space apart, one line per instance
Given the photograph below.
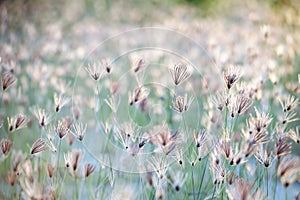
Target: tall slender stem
x=202 y=177
x=193 y=184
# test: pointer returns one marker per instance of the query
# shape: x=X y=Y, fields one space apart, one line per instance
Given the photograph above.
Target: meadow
x=178 y=99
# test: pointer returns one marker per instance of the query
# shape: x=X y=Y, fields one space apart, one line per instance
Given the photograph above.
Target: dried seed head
x=73 y=158
x=94 y=71
x=8 y=80
x=6 y=146
x=11 y=178
x=88 y=169
x=264 y=156
x=60 y=101
x=50 y=170
x=181 y=103
x=288 y=170
x=107 y=64
x=16 y=159
x=289 y=104
x=38 y=146
x=61 y=130
x=282 y=146
x=295 y=135
x=200 y=138
x=231 y=76
x=179 y=73
x=41 y=116
x=20 y=121
x=79 y=130
x=138 y=64
x=139 y=95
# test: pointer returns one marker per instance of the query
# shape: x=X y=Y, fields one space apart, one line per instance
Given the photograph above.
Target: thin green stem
x=267 y=182
x=58 y=158
x=202 y=178
x=60 y=188
x=276 y=178
x=193 y=184
x=76 y=188
x=214 y=192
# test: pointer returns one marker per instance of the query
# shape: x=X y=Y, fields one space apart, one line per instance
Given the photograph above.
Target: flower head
x=180 y=73
x=231 y=76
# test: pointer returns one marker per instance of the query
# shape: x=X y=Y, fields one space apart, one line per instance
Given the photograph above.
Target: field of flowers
x=176 y=99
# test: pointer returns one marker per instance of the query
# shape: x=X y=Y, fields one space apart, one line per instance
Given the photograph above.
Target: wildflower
x=73 y=158
x=68 y=159
x=79 y=130
x=19 y=121
x=289 y=104
x=282 y=146
x=76 y=112
x=8 y=80
x=51 y=139
x=242 y=104
x=221 y=100
x=11 y=178
x=138 y=64
x=6 y=146
x=264 y=156
x=179 y=73
x=38 y=146
x=179 y=179
x=50 y=170
x=60 y=101
x=260 y=122
x=42 y=117
x=295 y=135
x=243 y=190
x=181 y=104
x=10 y=122
x=107 y=64
x=216 y=156
x=139 y=95
x=62 y=129
x=249 y=149
x=224 y=148
x=200 y=138
x=159 y=166
x=231 y=76
x=288 y=117
x=218 y=172
x=163 y=136
x=88 y=169
x=16 y=159
x=93 y=70
x=288 y=170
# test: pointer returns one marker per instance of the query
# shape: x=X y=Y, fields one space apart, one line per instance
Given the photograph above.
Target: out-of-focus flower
x=79 y=130
x=60 y=101
x=179 y=73
x=8 y=80
x=6 y=146
x=288 y=170
x=94 y=71
x=88 y=169
x=38 y=146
